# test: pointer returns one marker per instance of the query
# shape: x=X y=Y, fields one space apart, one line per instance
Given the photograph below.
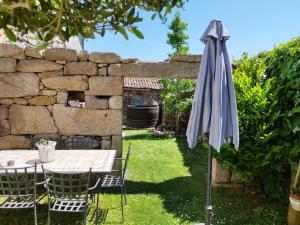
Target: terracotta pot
x=295 y=201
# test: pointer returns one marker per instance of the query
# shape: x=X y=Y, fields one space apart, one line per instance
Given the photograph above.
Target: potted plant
x=46 y=150
x=295 y=194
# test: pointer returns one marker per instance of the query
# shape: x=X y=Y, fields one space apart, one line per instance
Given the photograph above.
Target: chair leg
x=122 y=206
x=125 y=193
x=49 y=214
x=35 y=214
x=18 y=222
x=85 y=216
x=97 y=206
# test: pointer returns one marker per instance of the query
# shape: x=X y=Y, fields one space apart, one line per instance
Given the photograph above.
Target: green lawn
x=166 y=184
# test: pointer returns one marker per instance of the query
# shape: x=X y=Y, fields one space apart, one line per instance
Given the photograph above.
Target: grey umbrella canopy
x=214 y=111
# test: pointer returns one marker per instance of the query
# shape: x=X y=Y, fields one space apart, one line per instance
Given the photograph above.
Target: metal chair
x=18 y=189
x=68 y=192
x=111 y=181
x=85 y=143
x=81 y=142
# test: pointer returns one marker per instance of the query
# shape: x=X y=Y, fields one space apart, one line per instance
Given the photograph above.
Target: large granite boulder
x=20 y=101
x=11 y=51
x=33 y=52
x=156 y=70
x=116 y=144
x=115 y=102
x=15 y=142
x=105 y=86
x=18 y=85
x=83 y=121
x=82 y=68
x=60 y=54
x=3 y=112
x=7 y=65
x=37 y=65
x=186 y=58
x=6 y=101
x=62 y=97
x=83 y=56
x=104 y=57
x=70 y=83
x=4 y=127
x=94 y=102
x=31 y=120
x=42 y=100
x=48 y=74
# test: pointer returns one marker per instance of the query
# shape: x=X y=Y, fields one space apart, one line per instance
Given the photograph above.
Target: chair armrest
x=116 y=170
x=97 y=183
x=40 y=183
x=44 y=183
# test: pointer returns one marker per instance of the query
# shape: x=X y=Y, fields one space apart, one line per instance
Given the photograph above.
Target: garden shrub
x=268 y=100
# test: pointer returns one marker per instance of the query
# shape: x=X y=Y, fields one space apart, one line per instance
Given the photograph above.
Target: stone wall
x=36 y=92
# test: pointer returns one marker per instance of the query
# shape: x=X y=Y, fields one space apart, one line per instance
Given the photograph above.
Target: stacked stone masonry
x=35 y=90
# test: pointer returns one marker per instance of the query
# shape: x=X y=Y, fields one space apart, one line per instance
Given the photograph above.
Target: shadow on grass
x=9 y=216
x=185 y=197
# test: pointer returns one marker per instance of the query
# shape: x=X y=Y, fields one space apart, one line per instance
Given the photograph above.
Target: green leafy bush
x=177 y=94
x=268 y=101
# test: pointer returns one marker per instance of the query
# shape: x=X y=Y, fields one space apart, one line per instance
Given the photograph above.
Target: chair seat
x=112 y=181
x=23 y=202
x=76 y=205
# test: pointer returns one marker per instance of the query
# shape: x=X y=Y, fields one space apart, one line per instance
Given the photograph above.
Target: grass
x=166 y=184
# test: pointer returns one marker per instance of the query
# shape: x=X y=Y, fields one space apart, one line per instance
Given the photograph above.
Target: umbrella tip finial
x=218 y=20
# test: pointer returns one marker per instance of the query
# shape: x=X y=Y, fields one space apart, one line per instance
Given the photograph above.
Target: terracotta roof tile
x=141 y=83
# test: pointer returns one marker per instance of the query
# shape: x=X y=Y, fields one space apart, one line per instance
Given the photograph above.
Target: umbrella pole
x=208 y=207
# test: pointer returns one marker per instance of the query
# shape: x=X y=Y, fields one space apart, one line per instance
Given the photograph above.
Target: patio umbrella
x=214 y=111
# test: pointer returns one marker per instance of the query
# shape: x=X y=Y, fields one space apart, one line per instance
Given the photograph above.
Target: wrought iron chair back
x=18 y=182
x=124 y=170
x=18 y=188
x=78 y=142
x=67 y=185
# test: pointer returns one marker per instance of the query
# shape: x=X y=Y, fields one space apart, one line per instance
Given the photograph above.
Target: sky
x=254 y=26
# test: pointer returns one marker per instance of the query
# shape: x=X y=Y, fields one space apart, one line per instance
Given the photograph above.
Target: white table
x=66 y=161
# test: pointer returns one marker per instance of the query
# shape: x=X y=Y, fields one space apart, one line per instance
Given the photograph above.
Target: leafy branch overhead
x=67 y=18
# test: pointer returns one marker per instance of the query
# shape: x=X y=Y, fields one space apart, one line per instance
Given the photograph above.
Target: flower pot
x=295 y=201
x=47 y=152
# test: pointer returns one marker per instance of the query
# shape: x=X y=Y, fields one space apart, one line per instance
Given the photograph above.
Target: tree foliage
x=177 y=93
x=268 y=101
x=67 y=18
x=177 y=38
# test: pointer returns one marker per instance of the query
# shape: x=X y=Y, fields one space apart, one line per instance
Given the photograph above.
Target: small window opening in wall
x=76 y=99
